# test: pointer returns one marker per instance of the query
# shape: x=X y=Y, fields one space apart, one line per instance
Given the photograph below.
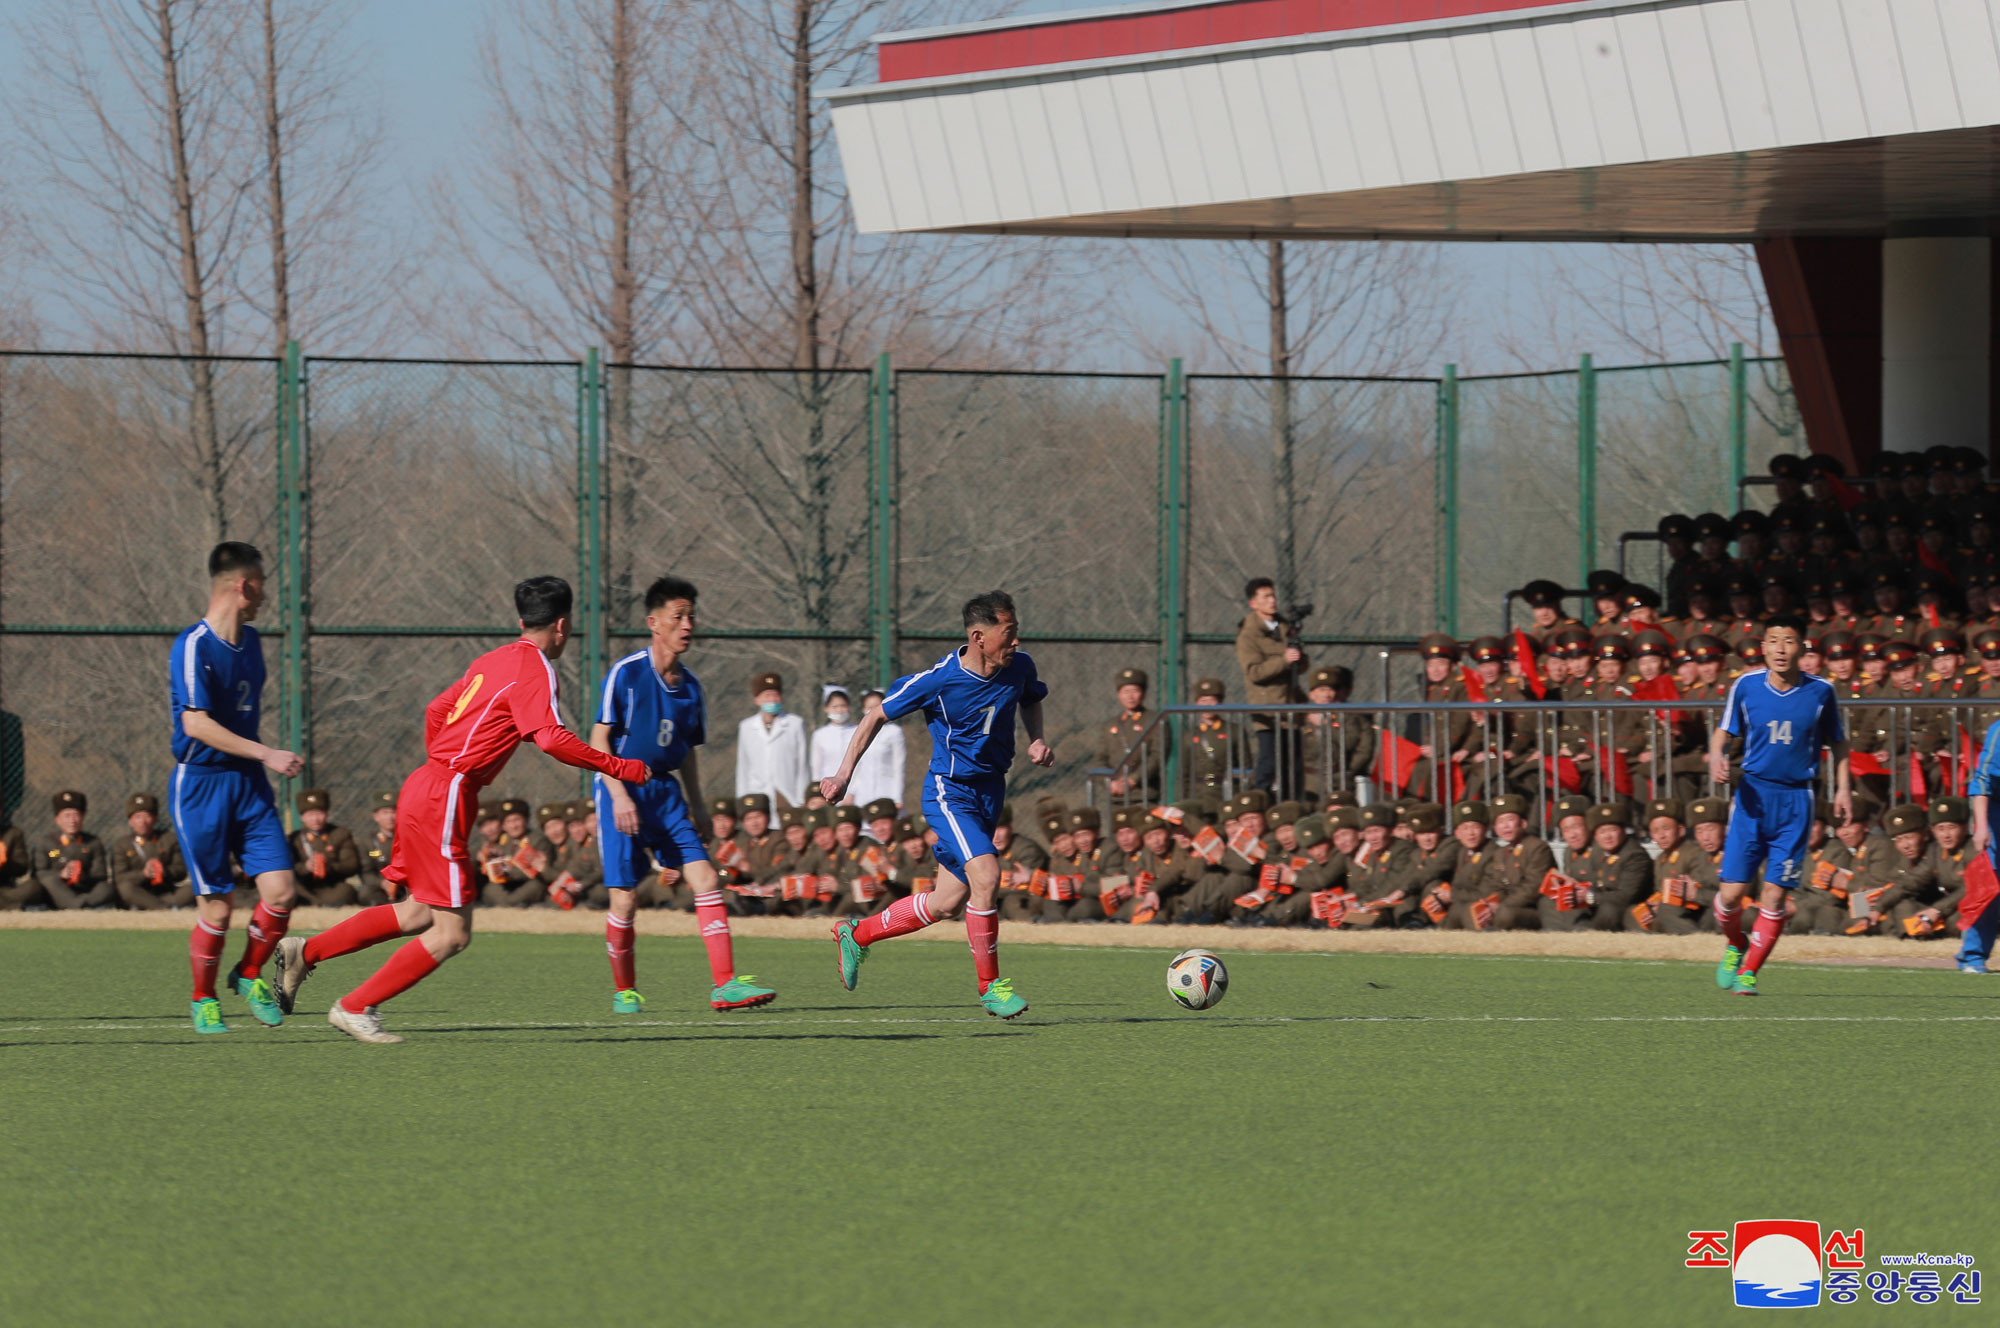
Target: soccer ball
x=1197 y=979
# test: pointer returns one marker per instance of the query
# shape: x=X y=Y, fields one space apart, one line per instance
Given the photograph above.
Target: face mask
x=836 y=716
x=771 y=707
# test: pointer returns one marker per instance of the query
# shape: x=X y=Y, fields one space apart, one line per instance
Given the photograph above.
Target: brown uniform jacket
x=1269 y=678
x=1515 y=871
x=52 y=851
x=129 y=855
x=342 y=859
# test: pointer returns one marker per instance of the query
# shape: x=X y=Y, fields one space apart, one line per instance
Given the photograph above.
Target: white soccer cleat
x=293 y=970
x=363 y=1027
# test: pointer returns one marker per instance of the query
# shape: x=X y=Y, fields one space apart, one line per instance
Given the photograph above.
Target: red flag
x=1931 y=615
x=1866 y=763
x=1568 y=778
x=1621 y=773
x=1475 y=686
x=1920 y=789
x=1935 y=564
x=1981 y=885
x=1524 y=657
x=1844 y=493
x=1662 y=688
x=1396 y=761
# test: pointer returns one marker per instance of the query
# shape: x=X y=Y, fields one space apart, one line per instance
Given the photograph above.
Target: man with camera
x=1267 y=647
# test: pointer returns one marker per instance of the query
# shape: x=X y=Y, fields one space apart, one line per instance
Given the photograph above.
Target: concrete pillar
x=1937 y=335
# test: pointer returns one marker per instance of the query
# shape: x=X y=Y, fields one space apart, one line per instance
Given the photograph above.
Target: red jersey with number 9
x=507 y=697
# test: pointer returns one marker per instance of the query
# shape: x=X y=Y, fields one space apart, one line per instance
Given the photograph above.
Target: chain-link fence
x=832 y=520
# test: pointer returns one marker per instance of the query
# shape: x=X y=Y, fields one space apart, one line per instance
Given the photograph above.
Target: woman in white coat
x=880 y=771
x=771 y=747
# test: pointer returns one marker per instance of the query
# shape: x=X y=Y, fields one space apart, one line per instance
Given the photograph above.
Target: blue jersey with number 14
x=971 y=718
x=649 y=720
x=1783 y=731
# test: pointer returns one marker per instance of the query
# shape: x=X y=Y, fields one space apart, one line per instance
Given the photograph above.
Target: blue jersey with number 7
x=1783 y=731
x=971 y=718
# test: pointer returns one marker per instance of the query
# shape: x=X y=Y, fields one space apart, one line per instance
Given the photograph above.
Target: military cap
x=1809 y=643
x=1542 y=593
x=1605 y=813
x=1707 y=588
x=1132 y=678
x=1682 y=655
x=1312 y=831
x=1425 y=818
x=1939 y=456
x=1749 y=521
x=1677 y=526
x=1437 y=645
x=1839 y=584
x=1866 y=514
x=1611 y=646
x=1641 y=597
x=753 y=802
x=1708 y=811
x=1814 y=587
x=1573 y=805
x=1472 y=810
x=1049 y=805
x=1338 y=799
x=1604 y=581
x=1705 y=646
x=1209 y=687
x=1343 y=818
x=918 y=824
x=1953 y=809
x=319 y=800
x=1651 y=642
x=1286 y=813
x=792 y=816
x=1508 y=804
x=513 y=807
x=1979 y=514
x=387 y=798
x=1906 y=818
x=1838 y=645
x=1987 y=643
x=1006 y=815
x=846 y=814
x=1751 y=648
x=1819 y=463
x=1208 y=809
x=903 y=830
x=1670 y=808
x=1085 y=818
x=1786 y=520
x=722 y=806
x=557 y=811
x=1378 y=813
x=1128 y=817
x=881 y=809
x=1335 y=676
x=1057 y=824
x=489 y=811
x=1255 y=800
x=1785 y=466
x=767 y=682
x=1900 y=654
x=1869 y=644
x=1968 y=460
x=142 y=802
x=1826 y=523
x=1739 y=584
x=1931 y=583
x=1711 y=525
x=1823 y=811
x=1572 y=641
x=1775 y=577
x=1485 y=648
x=1898 y=516
x=69 y=798
x=1942 y=641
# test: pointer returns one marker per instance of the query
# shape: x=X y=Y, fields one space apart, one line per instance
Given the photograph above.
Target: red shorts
x=434 y=815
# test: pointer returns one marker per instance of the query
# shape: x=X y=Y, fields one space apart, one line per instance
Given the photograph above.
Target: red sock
x=618 y=942
x=405 y=969
x=205 y=956
x=371 y=926
x=1763 y=936
x=906 y=915
x=1731 y=922
x=982 y=933
x=714 y=919
x=267 y=928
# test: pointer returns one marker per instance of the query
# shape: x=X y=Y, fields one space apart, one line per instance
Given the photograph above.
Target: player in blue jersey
x=652 y=710
x=1979 y=917
x=1785 y=718
x=970 y=698
x=220 y=796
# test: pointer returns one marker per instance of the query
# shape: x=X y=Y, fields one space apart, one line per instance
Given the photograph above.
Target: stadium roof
x=1461 y=119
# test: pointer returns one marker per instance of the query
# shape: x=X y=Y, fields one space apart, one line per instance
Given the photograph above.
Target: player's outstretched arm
x=834 y=787
x=205 y=729
x=1039 y=752
x=571 y=750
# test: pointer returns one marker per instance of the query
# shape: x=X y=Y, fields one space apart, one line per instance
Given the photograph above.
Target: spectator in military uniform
x=1517 y=860
x=1339 y=748
x=582 y=860
x=70 y=860
x=1617 y=872
x=1819 y=909
x=325 y=860
x=1208 y=742
x=1951 y=852
x=376 y=851
x=1607 y=598
x=788 y=858
x=1271 y=670
x=1433 y=865
x=19 y=886
x=1545 y=606
x=878 y=821
x=1571 y=814
x=485 y=830
x=146 y=866
x=1453 y=893
x=1079 y=860
x=1454 y=737
x=1020 y=857
x=1907 y=878
x=1138 y=781
x=914 y=865
x=509 y=883
x=1685 y=879
x=1380 y=873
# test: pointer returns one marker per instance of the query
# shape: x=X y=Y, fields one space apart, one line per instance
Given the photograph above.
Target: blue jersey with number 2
x=971 y=718
x=1783 y=731
x=227 y=682
x=649 y=720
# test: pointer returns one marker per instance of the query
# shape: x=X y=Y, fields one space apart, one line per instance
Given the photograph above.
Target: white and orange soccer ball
x=1197 y=979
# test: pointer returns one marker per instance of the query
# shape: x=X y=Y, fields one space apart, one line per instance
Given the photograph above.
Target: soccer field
x=1362 y=1138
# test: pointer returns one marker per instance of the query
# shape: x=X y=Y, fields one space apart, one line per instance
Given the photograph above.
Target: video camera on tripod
x=1293 y=621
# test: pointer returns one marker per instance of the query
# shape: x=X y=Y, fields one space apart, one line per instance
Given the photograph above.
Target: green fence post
x=1586 y=468
x=882 y=593
x=1173 y=558
x=1739 y=420
x=593 y=525
x=1447 y=484
x=296 y=528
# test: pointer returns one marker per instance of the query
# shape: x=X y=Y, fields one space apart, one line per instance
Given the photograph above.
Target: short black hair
x=540 y=600
x=233 y=556
x=666 y=590
x=1789 y=620
x=985 y=610
x=1257 y=583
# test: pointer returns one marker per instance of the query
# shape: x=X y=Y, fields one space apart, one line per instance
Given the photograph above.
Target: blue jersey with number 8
x=649 y=720
x=1783 y=732
x=971 y=718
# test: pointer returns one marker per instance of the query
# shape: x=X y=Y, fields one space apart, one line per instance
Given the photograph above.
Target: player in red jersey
x=506 y=698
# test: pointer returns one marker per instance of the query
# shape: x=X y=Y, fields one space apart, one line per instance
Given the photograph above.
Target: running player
x=221 y=797
x=506 y=698
x=969 y=697
x=1785 y=717
x=653 y=711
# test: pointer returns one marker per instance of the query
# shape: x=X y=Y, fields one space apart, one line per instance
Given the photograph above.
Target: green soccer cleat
x=851 y=953
x=257 y=994
x=1744 y=985
x=1000 y=1000
x=627 y=1001
x=741 y=993
x=1725 y=972
x=207 y=1014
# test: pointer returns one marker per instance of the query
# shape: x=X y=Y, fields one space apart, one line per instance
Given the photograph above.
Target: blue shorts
x=666 y=831
x=963 y=812
x=217 y=813
x=1769 y=827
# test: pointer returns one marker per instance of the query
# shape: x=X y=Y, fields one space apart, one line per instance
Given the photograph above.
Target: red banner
x=1524 y=658
x=1981 y=885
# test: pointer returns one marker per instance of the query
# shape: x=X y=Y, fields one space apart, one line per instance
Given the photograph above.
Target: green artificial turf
x=1347 y=1138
